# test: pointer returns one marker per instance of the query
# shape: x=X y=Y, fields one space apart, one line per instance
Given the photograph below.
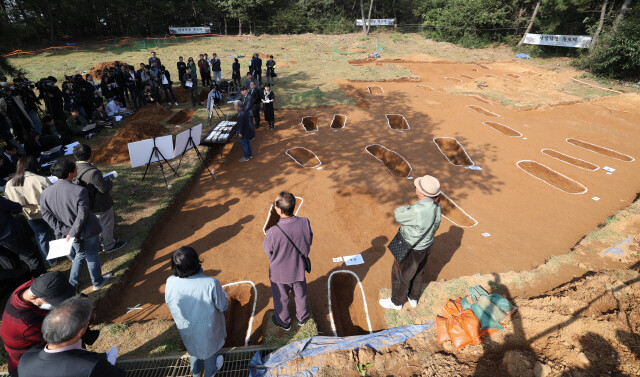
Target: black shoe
x=304 y=321
x=273 y=319
x=119 y=244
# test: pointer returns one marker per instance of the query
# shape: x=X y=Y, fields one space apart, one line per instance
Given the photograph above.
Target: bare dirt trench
x=238 y=314
x=395 y=163
x=347 y=306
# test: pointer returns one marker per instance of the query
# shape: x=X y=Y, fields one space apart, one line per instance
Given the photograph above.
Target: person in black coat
x=267 y=99
x=167 y=85
x=244 y=131
x=235 y=71
x=9 y=160
x=14 y=237
x=255 y=104
x=256 y=67
x=182 y=69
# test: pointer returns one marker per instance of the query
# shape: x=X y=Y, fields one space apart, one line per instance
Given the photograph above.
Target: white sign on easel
x=140 y=151
x=182 y=139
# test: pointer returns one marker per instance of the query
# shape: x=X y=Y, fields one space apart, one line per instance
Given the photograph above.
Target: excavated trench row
x=600 y=150
x=453 y=151
x=483 y=111
x=582 y=164
x=395 y=163
x=338 y=122
x=551 y=177
x=508 y=131
x=304 y=157
x=310 y=124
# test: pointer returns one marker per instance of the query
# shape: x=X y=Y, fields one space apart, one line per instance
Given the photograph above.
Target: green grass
x=117 y=328
x=277 y=338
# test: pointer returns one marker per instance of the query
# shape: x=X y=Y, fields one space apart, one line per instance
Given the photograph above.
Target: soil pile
x=183 y=96
x=151 y=114
x=96 y=70
x=181 y=117
x=115 y=150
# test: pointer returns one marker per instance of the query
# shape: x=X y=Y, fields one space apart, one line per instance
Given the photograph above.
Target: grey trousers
x=107 y=221
x=280 y=293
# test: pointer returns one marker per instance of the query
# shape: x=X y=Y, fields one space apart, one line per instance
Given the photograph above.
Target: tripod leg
x=204 y=162
x=164 y=177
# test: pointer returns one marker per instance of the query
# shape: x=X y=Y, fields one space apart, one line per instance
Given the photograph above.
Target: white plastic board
x=183 y=137
x=140 y=151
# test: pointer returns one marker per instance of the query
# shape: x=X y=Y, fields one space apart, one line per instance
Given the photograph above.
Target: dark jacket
x=99 y=189
x=167 y=75
x=215 y=65
x=194 y=79
x=156 y=59
x=182 y=69
x=256 y=65
x=8 y=166
x=256 y=99
x=65 y=207
x=10 y=228
x=71 y=363
x=243 y=125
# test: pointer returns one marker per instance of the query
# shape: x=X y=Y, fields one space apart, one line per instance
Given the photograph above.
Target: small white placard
x=188 y=84
x=337 y=260
x=524 y=138
x=595 y=198
x=473 y=167
x=112 y=354
x=609 y=173
x=352 y=260
x=60 y=248
x=110 y=175
x=118 y=118
x=610 y=170
x=486 y=234
x=52 y=179
x=183 y=137
x=47 y=164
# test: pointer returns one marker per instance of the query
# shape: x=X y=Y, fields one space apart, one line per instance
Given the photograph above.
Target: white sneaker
x=219 y=362
x=388 y=304
x=105 y=279
x=413 y=303
x=176 y=103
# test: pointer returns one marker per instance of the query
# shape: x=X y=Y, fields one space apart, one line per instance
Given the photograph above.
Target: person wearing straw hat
x=418 y=225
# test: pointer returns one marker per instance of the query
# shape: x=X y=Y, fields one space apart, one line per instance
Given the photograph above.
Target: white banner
x=190 y=30
x=378 y=22
x=577 y=41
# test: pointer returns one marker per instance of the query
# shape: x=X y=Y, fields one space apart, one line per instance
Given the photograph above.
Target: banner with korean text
x=576 y=41
x=190 y=30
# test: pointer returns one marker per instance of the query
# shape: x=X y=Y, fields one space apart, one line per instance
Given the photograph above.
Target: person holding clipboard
x=267 y=100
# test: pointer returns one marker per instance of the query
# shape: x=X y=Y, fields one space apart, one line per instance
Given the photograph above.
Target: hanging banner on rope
x=190 y=30
x=378 y=22
x=576 y=41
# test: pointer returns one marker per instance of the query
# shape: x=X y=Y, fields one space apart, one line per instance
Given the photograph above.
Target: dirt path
x=350 y=200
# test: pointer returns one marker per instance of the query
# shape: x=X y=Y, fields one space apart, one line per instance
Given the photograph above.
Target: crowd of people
x=46 y=323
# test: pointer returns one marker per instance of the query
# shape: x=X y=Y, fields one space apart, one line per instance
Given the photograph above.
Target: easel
x=219 y=113
x=192 y=143
x=156 y=152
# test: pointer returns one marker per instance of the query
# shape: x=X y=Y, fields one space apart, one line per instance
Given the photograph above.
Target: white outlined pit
x=299 y=154
x=452 y=212
x=478 y=98
x=452 y=79
x=507 y=131
x=512 y=75
x=273 y=217
x=482 y=66
x=393 y=161
x=467 y=76
x=483 y=111
x=253 y=310
x=309 y=123
x=453 y=151
x=600 y=150
x=397 y=122
x=364 y=301
x=579 y=163
x=338 y=122
x=375 y=90
x=426 y=88
x=489 y=75
x=551 y=177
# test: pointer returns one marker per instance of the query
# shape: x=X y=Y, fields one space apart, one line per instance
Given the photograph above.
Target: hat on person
x=427 y=185
x=53 y=287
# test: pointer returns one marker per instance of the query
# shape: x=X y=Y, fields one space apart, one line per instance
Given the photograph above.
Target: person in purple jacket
x=284 y=244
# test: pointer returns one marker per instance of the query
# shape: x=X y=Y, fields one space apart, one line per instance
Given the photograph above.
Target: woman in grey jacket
x=419 y=220
x=197 y=304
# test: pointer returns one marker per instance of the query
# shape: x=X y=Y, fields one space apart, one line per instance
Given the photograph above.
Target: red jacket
x=20 y=328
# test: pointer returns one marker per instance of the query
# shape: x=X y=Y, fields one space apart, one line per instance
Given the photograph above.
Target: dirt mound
x=182 y=94
x=151 y=114
x=115 y=150
x=181 y=117
x=96 y=70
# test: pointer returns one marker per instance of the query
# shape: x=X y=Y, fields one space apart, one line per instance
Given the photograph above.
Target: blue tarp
x=522 y=55
x=320 y=345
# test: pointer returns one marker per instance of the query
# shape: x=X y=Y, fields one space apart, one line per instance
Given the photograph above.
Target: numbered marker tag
x=595 y=198
x=486 y=234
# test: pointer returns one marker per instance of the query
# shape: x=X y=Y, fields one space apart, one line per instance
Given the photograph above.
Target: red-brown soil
x=347 y=305
x=453 y=79
x=376 y=90
x=397 y=122
x=97 y=69
x=552 y=177
x=600 y=150
x=391 y=160
x=338 y=121
x=183 y=96
x=570 y=160
x=454 y=213
x=508 y=131
x=483 y=111
x=310 y=124
x=350 y=202
x=181 y=117
x=151 y=114
x=114 y=150
x=453 y=150
x=238 y=314
x=478 y=98
x=304 y=157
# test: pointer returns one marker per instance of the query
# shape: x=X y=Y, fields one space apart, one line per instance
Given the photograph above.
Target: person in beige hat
x=418 y=224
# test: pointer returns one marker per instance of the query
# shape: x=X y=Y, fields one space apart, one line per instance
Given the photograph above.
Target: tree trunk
x=623 y=10
x=47 y=5
x=225 y=25
x=369 y=18
x=531 y=21
x=364 y=21
x=603 y=11
x=239 y=26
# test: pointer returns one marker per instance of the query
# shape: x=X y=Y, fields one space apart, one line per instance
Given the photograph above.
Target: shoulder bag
x=307 y=261
x=400 y=248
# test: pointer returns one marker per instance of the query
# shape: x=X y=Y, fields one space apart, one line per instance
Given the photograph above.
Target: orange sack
x=460 y=326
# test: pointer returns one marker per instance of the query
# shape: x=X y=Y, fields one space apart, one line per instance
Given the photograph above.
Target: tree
x=531 y=21
x=366 y=23
x=623 y=11
x=603 y=11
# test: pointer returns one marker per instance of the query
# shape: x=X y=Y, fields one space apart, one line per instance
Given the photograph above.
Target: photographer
x=167 y=85
x=100 y=117
x=151 y=94
x=86 y=90
x=76 y=122
x=52 y=96
x=107 y=88
x=72 y=99
x=31 y=103
x=122 y=86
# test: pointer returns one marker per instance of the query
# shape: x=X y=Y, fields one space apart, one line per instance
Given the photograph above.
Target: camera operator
x=85 y=89
x=52 y=96
x=54 y=132
x=107 y=88
x=72 y=99
x=19 y=120
x=31 y=103
x=122 y=84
